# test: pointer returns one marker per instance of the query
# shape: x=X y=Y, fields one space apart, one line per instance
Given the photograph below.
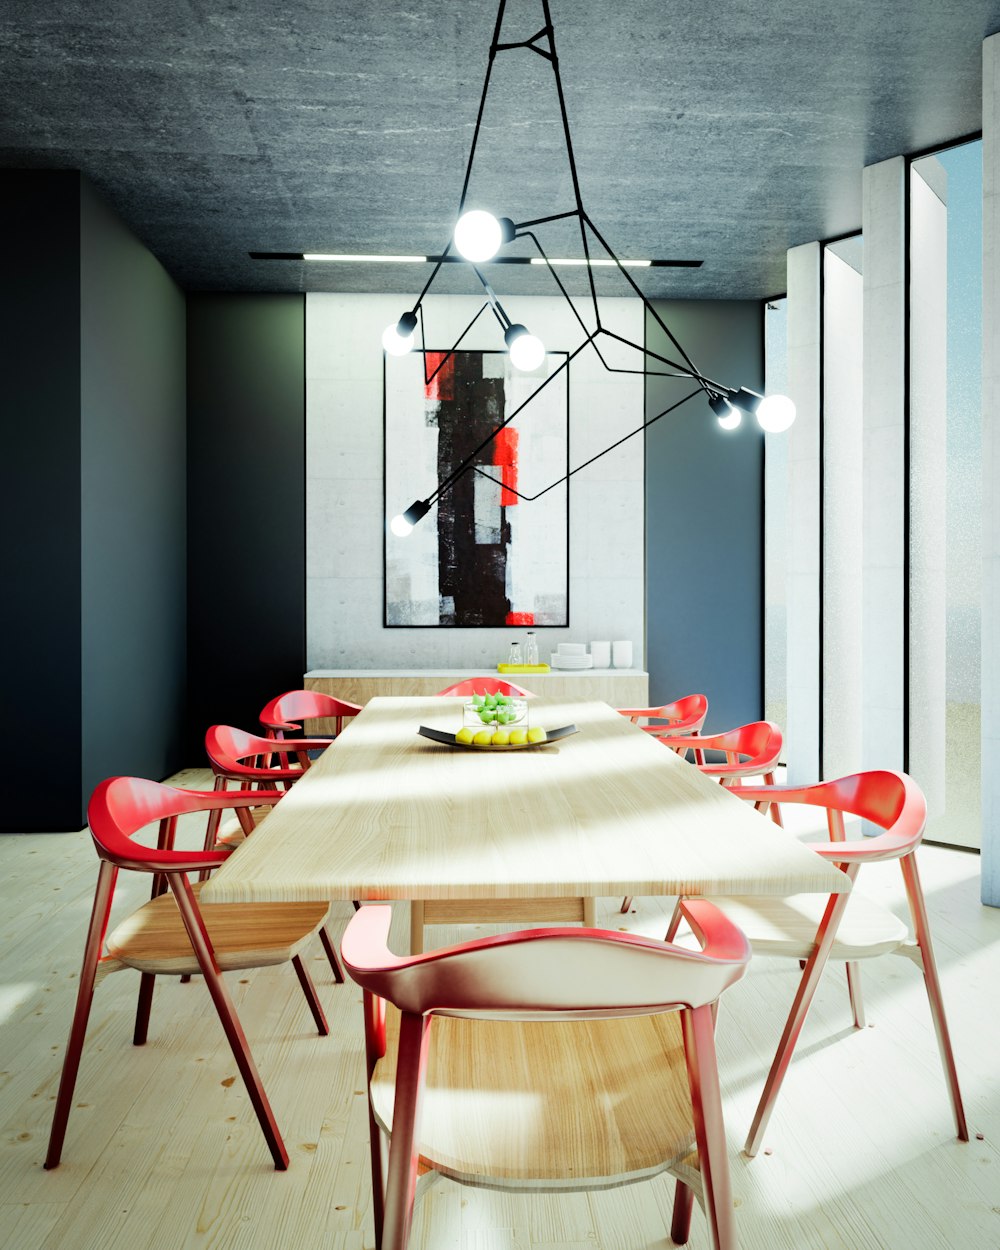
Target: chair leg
x=84 y=998
x=796 y=1017
x=675 y=922
x=854 y=989
x=147 y=981
x=331 y=954
x=709 y=1128
x=305 y=980
x=626 y=903
x=680 y=1224
x=401 y=1182
x=195 y=926
x=773 y=810
x=922 y=930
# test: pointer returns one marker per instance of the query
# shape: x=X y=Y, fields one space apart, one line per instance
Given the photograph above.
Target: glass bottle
x=515 y=654
x=531 y=648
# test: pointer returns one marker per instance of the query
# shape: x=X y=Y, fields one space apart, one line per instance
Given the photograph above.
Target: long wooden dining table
x=531 y=833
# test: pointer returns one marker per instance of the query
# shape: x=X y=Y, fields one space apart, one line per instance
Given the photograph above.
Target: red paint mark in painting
x=520 y=618
x=442 y=384
x=505 y=458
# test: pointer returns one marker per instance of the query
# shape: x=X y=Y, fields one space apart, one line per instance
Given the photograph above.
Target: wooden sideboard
x=623 y=687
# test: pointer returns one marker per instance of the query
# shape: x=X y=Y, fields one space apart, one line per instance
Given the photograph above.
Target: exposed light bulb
x=775 y=413
x=527 y=353
x=729 y=415
x=396 y=344
x=478 y=235
x=402 y=524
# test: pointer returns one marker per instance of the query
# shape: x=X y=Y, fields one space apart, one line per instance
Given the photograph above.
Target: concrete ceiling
x=723 y=131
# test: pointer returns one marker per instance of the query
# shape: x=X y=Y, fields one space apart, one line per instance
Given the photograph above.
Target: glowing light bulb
x=478 y=235
x=527 y=351
x=775 y=413
x=396 y=344
x=732 y=419
x=400 y=526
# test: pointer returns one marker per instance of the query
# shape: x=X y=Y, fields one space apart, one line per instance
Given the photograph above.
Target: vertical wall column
x=991 y=470
x=802 y=747
x=928 y=719
x=884 y=508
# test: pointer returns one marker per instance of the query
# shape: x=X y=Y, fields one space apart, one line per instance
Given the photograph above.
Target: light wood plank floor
x=163 y=1150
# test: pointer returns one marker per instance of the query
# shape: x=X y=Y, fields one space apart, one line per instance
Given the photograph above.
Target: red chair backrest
x=298 y=705
x=486 y=685
x=759 y=742
x=228 y=746
x=689 y=712
x=889 y=799
x=556 y=972
x=121 y=806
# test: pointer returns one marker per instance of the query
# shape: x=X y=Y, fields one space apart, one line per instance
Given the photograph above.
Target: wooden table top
x=387 y=814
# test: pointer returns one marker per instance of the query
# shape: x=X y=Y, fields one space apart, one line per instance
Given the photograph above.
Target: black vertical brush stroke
x=473 y=574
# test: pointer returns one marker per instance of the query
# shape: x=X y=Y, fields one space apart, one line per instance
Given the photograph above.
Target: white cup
x=600 y=653
x=621 y=654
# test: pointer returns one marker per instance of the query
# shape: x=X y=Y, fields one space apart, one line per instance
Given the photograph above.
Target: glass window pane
x=945 y=488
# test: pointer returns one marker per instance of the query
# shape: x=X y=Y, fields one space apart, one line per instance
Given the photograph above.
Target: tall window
x=945 y=490
x=842 y=484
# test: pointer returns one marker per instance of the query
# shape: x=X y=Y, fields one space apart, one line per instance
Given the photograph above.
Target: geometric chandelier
x=479 y=236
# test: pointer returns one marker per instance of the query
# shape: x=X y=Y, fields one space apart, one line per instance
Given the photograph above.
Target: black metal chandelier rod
x=467 y=462
x=723 y=400
x=566 y=476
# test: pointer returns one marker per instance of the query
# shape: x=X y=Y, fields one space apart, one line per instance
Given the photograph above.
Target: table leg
x=590 y=913
x=416 y=926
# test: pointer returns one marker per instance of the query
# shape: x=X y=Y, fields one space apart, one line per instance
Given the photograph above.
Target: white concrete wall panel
x=991 y=472
x=928 y=478
x=803 y=514
x=884 y=470
x=344 y=522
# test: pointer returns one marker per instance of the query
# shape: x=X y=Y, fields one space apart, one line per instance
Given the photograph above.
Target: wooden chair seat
x=788 y=926
x=230 y=832
x=251 y=935
x=553 y=1105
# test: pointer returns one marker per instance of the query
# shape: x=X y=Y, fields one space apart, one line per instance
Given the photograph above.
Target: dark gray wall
x=246 y=506
x=40 y=508
x=91 y=349
x=134 y=575
x=704 y=513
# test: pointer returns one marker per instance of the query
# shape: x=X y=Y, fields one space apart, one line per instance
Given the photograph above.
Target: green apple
x=464 y=735
x=483 y=738
x=518 y=737
x=536 y=734
x=501 y=738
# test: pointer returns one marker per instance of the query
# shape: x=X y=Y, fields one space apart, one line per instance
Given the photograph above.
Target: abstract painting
x=483 y=556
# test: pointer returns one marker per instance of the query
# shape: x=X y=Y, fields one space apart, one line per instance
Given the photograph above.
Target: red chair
x=286 y=713
x=228 y=749
x=172 y=934
x=486 y=685
x=591 y=1030
x=751 y=751
x=683 y=716
x=846 y=927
